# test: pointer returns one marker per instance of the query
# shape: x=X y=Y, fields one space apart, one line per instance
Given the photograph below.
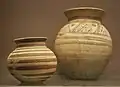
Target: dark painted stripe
x=33 y=67
x=17 y=51
x=88 y=38
x=85 y=35
x=97 y=34
x=28 y=76
x=32 y=47
x=33 y=60
x=32 y=54
x=37 y=77
x=28 y=45
x=88 y=43
x=42 y=74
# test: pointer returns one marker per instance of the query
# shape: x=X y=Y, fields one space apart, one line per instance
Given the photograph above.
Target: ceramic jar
x=83 y=45
x=32 y=61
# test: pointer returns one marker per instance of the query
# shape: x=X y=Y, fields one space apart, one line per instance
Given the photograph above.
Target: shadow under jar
x=31 y=61
x=83 y=45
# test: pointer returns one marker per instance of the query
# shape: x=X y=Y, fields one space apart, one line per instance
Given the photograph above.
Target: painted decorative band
x=10 y=61
x=35 y=67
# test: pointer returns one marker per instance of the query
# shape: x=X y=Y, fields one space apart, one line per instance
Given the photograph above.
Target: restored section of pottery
x=32 y=61
x=83 y=46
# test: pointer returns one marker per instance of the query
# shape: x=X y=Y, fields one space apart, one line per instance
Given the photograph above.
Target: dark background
x=24 y=18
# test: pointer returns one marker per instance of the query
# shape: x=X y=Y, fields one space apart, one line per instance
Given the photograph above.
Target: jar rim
x=85 y=8
x=84 y=12
x=29 y=39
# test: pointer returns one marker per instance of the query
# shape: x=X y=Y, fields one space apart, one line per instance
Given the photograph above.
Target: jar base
x=32 y=84
x=79 y=77
x=83 y=78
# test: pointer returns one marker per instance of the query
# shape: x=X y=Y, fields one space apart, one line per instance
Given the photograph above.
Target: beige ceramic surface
x=83 y=45
x=32 y=61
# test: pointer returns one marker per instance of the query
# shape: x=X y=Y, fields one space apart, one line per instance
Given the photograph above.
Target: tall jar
x=31 y=61
x=83 y=45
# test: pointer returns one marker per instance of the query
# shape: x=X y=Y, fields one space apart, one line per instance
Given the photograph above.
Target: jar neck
x=30 y=41
x=85 y=18
x=29 y=44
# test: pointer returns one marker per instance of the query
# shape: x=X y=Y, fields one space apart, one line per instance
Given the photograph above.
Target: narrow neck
x=84 y=13
x=88 y=18
x=30 y=41
x=28 y=44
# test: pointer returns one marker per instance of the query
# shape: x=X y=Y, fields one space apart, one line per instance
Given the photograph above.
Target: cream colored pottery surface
x=83 y=47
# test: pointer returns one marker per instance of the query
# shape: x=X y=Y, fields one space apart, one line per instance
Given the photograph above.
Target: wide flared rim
x=84 y=8
x=30 y=39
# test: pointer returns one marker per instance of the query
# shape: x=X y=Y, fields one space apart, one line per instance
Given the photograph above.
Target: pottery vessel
x=83 y=45
x=32 y=61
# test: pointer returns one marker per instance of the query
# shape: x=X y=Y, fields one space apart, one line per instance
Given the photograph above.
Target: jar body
x=32 y=63
x=83 y=47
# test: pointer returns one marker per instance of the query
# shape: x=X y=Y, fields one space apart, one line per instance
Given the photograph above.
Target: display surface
x=32 y=61
x=83 y=45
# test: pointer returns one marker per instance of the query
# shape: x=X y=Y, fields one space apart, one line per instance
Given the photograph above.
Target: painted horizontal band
x=30 y=64
x=86 y=38
x=75 y=41
x=30 y=54
x=32 y=47
x=32 y=67
x=82 y=35
x=33 y=72
x=12 y=60
x=30 y=50
x=36 y=77
x=42 y=74
x=27 y=45
x=31 y=57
